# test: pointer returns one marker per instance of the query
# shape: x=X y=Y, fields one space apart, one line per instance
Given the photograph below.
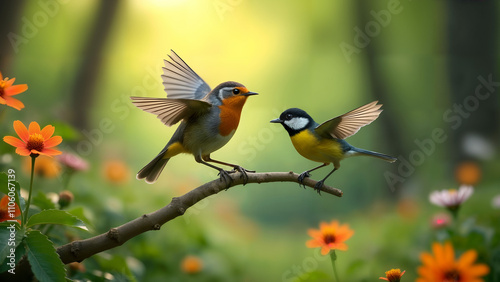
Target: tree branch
x=82 y=249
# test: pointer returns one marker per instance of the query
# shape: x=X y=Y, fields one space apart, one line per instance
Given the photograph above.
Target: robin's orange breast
x=230 y=112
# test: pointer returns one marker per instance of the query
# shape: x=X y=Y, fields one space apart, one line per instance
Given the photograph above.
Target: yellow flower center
x=329 y=238
x=393 y=275
x=35 y=142
x=452 y=191
x=451 y=276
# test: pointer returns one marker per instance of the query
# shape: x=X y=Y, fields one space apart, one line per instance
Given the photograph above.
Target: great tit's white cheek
x=297 y=123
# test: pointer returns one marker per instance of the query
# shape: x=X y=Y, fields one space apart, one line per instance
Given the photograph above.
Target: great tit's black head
x=294 y=120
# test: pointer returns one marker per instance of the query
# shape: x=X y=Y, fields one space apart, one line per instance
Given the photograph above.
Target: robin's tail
x=153 y=169
x=384 y=157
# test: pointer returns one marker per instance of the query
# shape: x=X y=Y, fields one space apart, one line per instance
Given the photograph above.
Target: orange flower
x=468 y=173
x=191 y=264
x=46 y=166
x=329 y=237
x=7 y=90
x=7 y=212
x=441 y=265
x=116 y=172
x=393 y=275
x=34 y=141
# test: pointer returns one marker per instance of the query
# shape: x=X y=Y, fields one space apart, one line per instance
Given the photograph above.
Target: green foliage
x=55 y=217
x=9 y=242
x=43 y=202
x=44 y=260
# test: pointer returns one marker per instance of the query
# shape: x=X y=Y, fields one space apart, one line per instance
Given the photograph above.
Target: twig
x=82 y=249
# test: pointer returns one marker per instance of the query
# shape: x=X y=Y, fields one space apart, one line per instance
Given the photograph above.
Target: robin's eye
x=236 y=91
x=288 y=116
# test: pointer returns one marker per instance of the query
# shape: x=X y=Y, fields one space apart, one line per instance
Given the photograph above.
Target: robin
x=209 y=118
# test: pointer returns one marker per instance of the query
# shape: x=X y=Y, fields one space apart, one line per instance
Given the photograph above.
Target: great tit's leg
x=305 y=174
x=318 y=185
x=235 y=168
x=224 y=175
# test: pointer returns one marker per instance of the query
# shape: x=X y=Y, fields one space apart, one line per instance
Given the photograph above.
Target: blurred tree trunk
x=379 y=91
x=83 y=90
x=472 y=38
x=10 y=17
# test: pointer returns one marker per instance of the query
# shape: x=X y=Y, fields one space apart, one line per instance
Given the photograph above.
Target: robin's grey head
x=230 y=89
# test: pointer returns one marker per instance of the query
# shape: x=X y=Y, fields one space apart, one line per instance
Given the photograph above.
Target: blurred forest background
x=424 y=60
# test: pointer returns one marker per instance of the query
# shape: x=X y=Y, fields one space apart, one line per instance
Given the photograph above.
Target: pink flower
x=73 y=161
x=440 y=220
x=451 y=199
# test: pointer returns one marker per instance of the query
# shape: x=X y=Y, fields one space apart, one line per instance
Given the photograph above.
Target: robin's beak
x=277 y=120
x=250 y=94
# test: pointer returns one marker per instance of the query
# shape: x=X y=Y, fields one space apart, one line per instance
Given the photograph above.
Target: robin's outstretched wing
x=171 y=111
x=349 y=123
x=181 y=82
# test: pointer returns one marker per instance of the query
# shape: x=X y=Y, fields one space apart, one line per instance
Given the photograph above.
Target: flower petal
x=14 y=103
x=325 y=250
x=478 y=270
x=3 y=203
x=53 y=141
x=34 y=128
x=15 y=89
x=50 y=152
x=9 y=82
x=21 y=130
x=47 y=131
x=1 y=76
x=467 y=259
x=2 y=101
x=23 y=151
x=11 y=140
x=313 y=244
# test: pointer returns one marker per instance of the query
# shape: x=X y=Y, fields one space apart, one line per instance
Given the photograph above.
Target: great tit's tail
x=357 y=151
x=153 y=169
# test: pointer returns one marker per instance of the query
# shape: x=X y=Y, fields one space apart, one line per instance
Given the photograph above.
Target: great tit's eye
x=236 y=91
x=288 y=116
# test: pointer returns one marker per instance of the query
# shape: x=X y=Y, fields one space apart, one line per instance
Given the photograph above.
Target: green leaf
x=44 y=203
x=20 y=252
x=56 y=217
x=8 y=242
x=44 y=260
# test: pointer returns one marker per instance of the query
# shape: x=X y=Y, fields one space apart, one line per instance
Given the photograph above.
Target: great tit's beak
x=277 y=120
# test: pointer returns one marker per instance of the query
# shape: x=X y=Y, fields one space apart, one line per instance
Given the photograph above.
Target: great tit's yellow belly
x=316 y=149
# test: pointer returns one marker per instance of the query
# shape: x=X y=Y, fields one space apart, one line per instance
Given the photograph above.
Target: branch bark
x=82 y=249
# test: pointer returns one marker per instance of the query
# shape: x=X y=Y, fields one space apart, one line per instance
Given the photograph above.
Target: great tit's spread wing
x=171 y=111
x=349 y=123
x=181 y=82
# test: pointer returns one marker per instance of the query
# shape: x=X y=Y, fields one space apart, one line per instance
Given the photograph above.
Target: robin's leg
x=235 y=167
x=224 y=175
x=305 y=174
